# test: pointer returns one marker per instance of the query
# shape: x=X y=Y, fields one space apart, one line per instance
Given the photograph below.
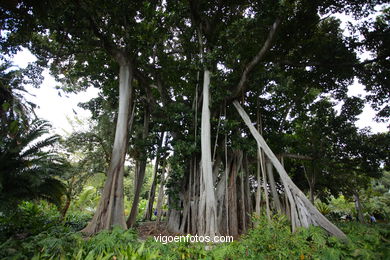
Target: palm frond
x=29 y=166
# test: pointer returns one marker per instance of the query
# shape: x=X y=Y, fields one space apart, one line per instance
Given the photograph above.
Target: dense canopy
x=242 y=108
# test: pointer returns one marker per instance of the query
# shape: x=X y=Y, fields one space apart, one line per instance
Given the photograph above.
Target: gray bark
x=152 y=193
x=207 y=215
x=242 y=201
x=110 y=210
x=160 y=198
x=141 y=173
x=275 y=195
x=258 y=189
x=232 y=197
x=358 y=207
x=262 y=166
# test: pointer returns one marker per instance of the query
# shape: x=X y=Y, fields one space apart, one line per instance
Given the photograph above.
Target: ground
x=151 y=228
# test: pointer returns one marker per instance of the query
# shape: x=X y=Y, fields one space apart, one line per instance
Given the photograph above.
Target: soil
x=151 y=228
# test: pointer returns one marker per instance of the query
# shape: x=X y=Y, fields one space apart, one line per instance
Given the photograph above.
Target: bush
x=28 y=219
x=77 y=220
x=55 y=241
x=274 y=240
x=180 y=250
x=269 y=240
x=110 y=241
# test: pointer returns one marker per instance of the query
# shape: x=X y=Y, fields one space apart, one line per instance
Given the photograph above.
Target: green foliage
x=274 y=240
x=141 y=209
x=180 y=250
x=87 y=200
x=269 y=240
x=29 y=166
x=376 y=199
x=341 y=206
x=27 y=219
x=106 y=241
x=77 y=220
x=55 y=241
x=365 y=242
x=322 y=207
x=59 y=241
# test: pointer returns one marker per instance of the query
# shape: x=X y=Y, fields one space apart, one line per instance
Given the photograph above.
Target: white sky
x=357 y=89
x=51 y=106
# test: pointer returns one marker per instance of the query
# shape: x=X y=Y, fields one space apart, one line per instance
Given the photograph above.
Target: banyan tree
x=188 y=78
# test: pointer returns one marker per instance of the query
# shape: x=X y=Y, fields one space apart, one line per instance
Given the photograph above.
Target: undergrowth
x=268 y=240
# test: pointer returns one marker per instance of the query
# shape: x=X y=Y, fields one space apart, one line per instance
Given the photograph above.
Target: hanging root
x=303 y=212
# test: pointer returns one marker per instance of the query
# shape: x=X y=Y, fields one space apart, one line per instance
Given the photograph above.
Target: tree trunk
x=207 y=215
x=226 y=184
x=308 y=212
x=262 y=164
x=152 y=192
x=358 y=207
x=242 y=201
x=66 y=207
x=160 y=198
x=248 y=195
x=232 y=198
x=275 y=194
x=311 y=193
x=310 y=180
x=195 y=196
x=141 y=173
x=258 y=188
x=110 y=211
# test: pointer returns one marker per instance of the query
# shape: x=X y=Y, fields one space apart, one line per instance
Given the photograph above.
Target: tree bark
x=358 y=207
x=66 y=207
x=248 y=196
x=258 y=189
x=262 y=166
x=275 y=194
x=110 y=211
x=259 y=56
x=141 y=173
x=160 y=198
x=242 y=201
x=232 y=197
x=207 y=215
x=152 y=192
x=310 y=180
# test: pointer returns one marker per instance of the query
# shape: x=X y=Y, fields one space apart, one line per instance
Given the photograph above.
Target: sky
x=51 y=106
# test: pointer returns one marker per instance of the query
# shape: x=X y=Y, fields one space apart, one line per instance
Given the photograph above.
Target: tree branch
x=260 y=55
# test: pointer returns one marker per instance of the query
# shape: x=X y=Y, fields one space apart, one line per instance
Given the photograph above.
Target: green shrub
x=110 y=241
x=273 y=240
x=269 y=240
x=323 y=208
x=365 y=241
x=55 y=241
x=180 y=250
x=28 y=219
x=77 y=220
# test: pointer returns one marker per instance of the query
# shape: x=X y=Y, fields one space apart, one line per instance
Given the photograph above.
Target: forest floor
x=151 y=228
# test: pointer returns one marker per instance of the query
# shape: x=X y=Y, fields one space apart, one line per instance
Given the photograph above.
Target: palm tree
x=29 y=166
